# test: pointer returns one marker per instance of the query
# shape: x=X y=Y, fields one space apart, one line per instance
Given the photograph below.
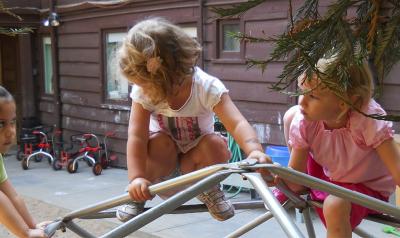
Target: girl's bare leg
x=211 y=150
x=163 y=156
x=337 y=216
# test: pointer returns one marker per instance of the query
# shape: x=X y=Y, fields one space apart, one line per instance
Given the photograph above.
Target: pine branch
x=7 y=11
x=376 y=5
x=308 y=10
x=14 y=31
x=250 y=39
x=374 y=33
x=388 y=44
x=236 y=10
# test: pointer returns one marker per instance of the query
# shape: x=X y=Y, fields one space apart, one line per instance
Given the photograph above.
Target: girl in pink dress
x=333 y=142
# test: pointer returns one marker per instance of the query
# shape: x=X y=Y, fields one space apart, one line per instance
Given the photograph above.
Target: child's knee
x=335 y=208
x=162 y=143
x=216 y=146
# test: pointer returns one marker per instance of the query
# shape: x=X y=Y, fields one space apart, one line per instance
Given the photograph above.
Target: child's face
x=321 y=104
x=7 y=125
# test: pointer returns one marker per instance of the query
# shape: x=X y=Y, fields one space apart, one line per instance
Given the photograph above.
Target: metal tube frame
x=208 y=177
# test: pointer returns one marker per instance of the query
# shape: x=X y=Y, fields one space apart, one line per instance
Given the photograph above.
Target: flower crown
x=153 y=64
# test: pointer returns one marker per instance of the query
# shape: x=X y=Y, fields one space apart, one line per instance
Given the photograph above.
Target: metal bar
x=78 y=230
x=298 y=201
x=379 y=218
x=251 y=225
x=190 y=208
x=100 y=215
x=154 y=189
x=383 y=219
x=308 y=222
x=53 y=227
x=362 y=233
x=167 y=206
x=255 y=222
x=315 y=183
x=273 y=204
x=203 y=208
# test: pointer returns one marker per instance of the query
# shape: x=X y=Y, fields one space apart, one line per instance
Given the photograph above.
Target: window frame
x=228 y=55
x=43 y=66
x=107 y=102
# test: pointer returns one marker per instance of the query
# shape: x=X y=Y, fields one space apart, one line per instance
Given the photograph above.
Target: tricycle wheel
x=104 y=162
x=20 y=155
x=72 y=167
x=24 y=163
x=97 y=168
x=57 y=165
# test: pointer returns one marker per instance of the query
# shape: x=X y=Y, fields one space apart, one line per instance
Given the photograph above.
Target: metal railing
x=208 y=177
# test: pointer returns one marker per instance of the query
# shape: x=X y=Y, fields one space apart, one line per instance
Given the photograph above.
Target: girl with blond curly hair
x=171 y=126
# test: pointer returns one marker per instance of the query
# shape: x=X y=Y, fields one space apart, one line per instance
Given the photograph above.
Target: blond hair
x=360 y=81
x=160 y=53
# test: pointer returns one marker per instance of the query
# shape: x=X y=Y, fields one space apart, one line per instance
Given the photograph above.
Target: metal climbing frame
x=210 y=176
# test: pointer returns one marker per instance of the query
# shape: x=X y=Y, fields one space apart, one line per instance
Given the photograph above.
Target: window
x=229 y=47
x=230 y=44
x=117 y=85
x=190 y=30
x=47 y=66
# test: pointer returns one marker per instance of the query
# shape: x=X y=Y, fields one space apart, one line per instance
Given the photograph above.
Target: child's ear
x=343 y=106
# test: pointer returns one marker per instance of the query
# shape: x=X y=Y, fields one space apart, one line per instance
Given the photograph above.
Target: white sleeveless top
x=195 y=119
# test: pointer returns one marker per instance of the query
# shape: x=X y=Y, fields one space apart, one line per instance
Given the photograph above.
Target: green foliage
x=14 y=31
x=373 y=34
x=8 y=30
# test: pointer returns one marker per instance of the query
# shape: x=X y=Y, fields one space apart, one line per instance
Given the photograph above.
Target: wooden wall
x=249 y=88
x=80 y=45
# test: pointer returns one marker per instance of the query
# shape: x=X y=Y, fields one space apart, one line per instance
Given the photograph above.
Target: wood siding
x=81 y=66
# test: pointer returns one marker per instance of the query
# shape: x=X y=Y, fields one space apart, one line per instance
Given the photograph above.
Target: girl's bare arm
x=390 y=155
x=298 y=161
x=237 y=125
x=13 y=212
x=138 y=137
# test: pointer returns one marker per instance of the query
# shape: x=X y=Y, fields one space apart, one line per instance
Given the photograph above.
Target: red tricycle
x=90 y=151
x=44 y=149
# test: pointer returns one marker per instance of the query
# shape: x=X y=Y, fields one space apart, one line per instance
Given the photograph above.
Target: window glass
x=117 y=85
x=48 y=66
x=191 y=31
x=230 y=43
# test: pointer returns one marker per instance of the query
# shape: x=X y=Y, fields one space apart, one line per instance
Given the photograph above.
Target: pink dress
x=347 y=156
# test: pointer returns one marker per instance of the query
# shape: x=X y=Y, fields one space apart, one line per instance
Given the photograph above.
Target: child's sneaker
x=219 y=207
x=280 y=195
x=130 y=210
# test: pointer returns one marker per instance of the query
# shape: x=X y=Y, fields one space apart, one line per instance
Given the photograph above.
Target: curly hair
x=160 y=54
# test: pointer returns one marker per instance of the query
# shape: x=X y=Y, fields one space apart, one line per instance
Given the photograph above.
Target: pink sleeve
x=297 y=132
x=373 y=132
